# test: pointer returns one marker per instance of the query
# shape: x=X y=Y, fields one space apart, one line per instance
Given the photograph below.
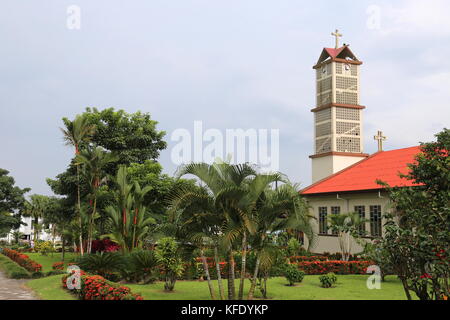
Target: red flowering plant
x=95 y=287
x=23 y=260
x=338 y=267
x=58 y=266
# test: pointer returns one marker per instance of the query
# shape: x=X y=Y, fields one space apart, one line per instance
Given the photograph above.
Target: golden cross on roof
x=380 y=138
x=337 y=35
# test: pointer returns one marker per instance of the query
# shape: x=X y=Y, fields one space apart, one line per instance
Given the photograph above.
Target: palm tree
x=224 y=185
x=94 y=160
x=76 y=133
x=275 y=211
x=346 y=226
x=35 y=208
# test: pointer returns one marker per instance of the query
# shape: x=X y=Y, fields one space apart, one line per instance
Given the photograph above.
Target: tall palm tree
x=277 y=210
x=223 y=184
x=76 y=133
x=94 y=160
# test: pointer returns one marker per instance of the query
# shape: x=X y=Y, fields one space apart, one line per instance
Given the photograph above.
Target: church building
x=344 y=177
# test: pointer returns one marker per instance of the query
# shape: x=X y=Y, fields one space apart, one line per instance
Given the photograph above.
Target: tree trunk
x=219 y=275
x=243 y=264
x=231 y=276
x=255 y=277
x=62 y=246
x=80 y=221
x=91 y=225
x=406 y=288
x=208 y=277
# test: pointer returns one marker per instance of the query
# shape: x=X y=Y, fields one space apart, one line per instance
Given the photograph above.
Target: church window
x=346 y=83
x=348 y=128
x=361 y=211
x=323 y=226
x=323 y=145
x=354 y=70
x=348 y=114
x=352 y=145
x=323 y=129
x=339 y=68
x=324 y=115
x=335 y=210
x=347 y=98
x=375 y=221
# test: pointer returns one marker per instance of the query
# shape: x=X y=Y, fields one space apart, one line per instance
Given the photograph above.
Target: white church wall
x=346 y=203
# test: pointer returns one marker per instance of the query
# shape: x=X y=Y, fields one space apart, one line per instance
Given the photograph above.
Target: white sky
x=232 y=64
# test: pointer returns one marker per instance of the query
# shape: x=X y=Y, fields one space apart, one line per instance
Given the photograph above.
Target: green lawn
x=48 y=260
x=50 y=288
x=350 y=287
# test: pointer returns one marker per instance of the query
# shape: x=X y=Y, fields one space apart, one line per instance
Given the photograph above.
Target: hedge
x=23 y=260
x=94 y=287
x=337 y=267
x=12 y=269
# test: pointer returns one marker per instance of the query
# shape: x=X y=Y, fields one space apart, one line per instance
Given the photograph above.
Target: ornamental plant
x=95 y=287
x=58 y=266
x=44 y=247
x=167 y=255
x=293 y=274
x=328 y=280
x=23 y=260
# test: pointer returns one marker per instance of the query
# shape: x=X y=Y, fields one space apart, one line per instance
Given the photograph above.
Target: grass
x=50 y=288
x=12 y=269
x=349 y=287
x=48 y=260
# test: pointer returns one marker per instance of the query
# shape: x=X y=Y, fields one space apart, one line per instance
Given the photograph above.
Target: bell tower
x=338 y=115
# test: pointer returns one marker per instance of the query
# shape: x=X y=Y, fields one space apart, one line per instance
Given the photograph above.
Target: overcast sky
x=231 y=64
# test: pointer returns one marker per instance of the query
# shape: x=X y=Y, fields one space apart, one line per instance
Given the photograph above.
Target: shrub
x=293 y=274
x=104 y=264
x=23 y=260
x=12 y=269
x=58 y=266
x=44 y=247
x=172 y=267
x=98 y=288
x=295 y=259
x=328 y=280
x=141 y=267
x=104 y=245
x=338 y=267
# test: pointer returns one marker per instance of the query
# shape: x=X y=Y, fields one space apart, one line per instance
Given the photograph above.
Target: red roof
x=384 y=166
x=334 y=52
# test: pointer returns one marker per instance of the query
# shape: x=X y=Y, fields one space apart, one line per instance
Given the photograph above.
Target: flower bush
x=44 y=247
x=104 y=245
x=296 y=259
x=94 y=287
x=338 y=267
x=23 y=260
x=58 y=266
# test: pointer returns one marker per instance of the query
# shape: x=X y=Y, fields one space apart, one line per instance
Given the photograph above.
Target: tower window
x=344 y=144
x=323 y=115
x=323 y=145
x=323 y=225
x=347 y=98
x=348 y=114
x=348 y=128
x=375 y=221
x=323 y=129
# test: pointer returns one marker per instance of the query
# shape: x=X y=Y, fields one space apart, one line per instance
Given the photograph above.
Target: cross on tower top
x=337 y=35
x=380 y=138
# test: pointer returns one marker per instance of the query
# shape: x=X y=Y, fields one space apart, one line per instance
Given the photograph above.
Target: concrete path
x=11 y=289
